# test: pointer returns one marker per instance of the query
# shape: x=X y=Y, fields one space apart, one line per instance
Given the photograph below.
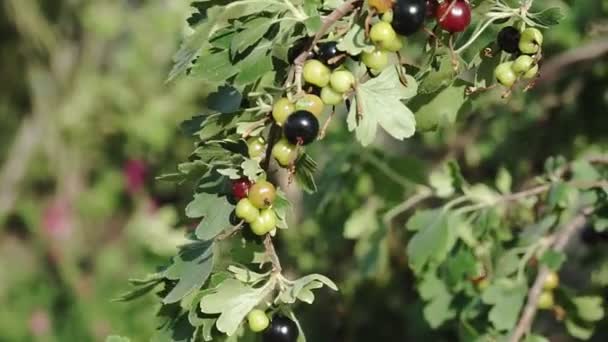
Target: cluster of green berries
x=280 y=329
x=255 y=205
x=546 y=301
x=527 y=46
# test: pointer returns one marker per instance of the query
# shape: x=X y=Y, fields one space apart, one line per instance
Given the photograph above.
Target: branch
x=272 y=254
x=561 y=240
x=592 y=50
x=531 y=192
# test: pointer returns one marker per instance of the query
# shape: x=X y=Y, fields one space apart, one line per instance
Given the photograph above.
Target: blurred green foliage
x=83 y=93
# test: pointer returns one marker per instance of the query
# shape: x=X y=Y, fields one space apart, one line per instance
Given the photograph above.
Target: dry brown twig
x=562 y=237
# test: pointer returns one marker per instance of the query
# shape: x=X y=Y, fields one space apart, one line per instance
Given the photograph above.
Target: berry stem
x=272 y=254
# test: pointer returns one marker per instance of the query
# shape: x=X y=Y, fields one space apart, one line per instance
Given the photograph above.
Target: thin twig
x=561 y=240
x=272 y=254
x=228 y=233
x=531 y=192
x=422 y=195
x=551 y=70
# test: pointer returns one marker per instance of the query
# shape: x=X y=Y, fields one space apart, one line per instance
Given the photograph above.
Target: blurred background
x=87 y=122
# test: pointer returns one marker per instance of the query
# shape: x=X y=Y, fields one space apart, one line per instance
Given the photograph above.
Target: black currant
x=297 y=48
x=281 y=329
x=591 y=237
x=508 y=39
x=301 y=127
x=409 y=16
x=329 y=54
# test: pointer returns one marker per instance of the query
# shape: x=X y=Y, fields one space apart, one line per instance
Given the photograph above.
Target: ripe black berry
x=508 y=39
x=329 y=54
x=281 y=329
x=301 y=127
x=297 y=48
x=408 y=16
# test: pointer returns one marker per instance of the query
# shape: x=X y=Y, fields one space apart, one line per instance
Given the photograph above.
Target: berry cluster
x=546 y=300
x=255 y=205
x=526 y=46
x=280 y=329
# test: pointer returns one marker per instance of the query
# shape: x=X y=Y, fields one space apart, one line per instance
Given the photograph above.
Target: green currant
x=551 y=282
x=382 y=33
x=281 y=109
x=247 y=211
x=284 y=152
x=256 y=147
x=531 y=73
x=546 y=300
x=265 y=223
x=387 y=16
x=523 y=64
x=483 y=284
x=331 y=97
x=316 y=73
x=530 y=41
x=258 y=321
x=505 y=75
x=394 y=45
x=262 y=194
x=376 y=60
x=342 y=80
x=311 y=103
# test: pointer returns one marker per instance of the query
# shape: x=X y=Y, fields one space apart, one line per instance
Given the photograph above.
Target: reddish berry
x=240 y=188
x=454 y=16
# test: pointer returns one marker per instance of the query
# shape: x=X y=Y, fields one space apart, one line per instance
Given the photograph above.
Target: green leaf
x=549 y=17
x=301 y=288
x=281 y=207
x=361 y=222
x=115 y=338
x=440 y=109
x=581 y=330
x=225 y=100
x=482 y=194
x=582 y=170
x=443 y=76
x=252 y=169
x=232 y=300
x=246 y=275
x=379 y=101
x=437 y=309
x=504 y=181
x=589 y=308
x=305 y=169
x=434 y=238
x=214 y=66
x=313 y=23
x=215 y=210
x=250 y=34
x=191 y=268
x=354 y=42
x=552 y=259
x=507 y=298
x=138 y=291
x=255 y=65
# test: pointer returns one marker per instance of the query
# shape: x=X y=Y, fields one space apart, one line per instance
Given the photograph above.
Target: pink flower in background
x=40 y=323
x=57 y=219
x=135 y=172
